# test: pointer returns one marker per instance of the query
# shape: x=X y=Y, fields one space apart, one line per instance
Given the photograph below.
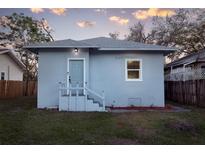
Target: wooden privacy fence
x=190 y=92
x=12 y=89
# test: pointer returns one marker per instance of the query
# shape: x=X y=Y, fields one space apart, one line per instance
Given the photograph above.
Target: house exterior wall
x=10 y=68
x=103 y=72
x=52 y=70
x=107 y=72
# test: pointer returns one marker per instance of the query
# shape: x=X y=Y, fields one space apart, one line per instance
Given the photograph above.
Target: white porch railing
x=187 y=74
x=72 y=94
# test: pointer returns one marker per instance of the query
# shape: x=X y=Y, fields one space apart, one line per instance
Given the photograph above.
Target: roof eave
x=176 y=63
x=165 y=51
x=138 y=49
x=38 y=47
x=19 y=63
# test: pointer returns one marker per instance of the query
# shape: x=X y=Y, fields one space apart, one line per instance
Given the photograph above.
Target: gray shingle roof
x=102 y=43
x=60 y=44
x=192 y=58
x=112 y=44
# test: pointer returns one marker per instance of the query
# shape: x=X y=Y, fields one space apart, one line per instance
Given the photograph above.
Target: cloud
x=37 y=10
x=103 y=11
x=85 y=24
x=144 y=14
x=123 y=11
x=58 y=11
x=119 y=20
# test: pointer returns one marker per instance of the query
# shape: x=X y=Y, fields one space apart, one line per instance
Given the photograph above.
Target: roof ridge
x=124 y=40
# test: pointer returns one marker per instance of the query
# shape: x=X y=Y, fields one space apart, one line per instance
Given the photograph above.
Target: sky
x=86 y=23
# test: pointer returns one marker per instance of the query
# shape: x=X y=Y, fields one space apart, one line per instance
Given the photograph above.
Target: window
x=203 y=67
x=2 y=76
x=133 y=69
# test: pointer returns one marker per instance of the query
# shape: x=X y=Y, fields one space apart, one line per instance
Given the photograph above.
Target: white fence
x=187 y=74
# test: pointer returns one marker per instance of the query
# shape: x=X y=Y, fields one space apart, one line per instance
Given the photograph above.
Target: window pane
x=133 y=74
x=133 y=64
x=2 y=75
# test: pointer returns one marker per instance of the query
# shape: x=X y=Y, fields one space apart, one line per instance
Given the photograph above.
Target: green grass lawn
x=22 y=123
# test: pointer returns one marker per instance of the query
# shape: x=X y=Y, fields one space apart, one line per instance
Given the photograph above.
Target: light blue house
x=90 y=74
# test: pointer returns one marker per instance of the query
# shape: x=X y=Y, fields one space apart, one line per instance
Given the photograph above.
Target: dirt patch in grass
x=182 y=126
x=145 y=132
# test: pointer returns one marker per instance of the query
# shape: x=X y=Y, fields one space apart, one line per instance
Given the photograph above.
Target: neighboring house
x=187 y=68
x=90 y=74
x=11 y=68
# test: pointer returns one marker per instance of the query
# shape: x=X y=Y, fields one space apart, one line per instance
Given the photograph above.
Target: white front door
x=76 y=74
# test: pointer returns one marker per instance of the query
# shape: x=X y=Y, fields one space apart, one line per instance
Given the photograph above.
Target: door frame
x=68 y=73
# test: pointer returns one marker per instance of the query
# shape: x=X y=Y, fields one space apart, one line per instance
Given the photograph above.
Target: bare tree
x=137 y=33
x=16 y=30
x=181 y=30
x=114 y=35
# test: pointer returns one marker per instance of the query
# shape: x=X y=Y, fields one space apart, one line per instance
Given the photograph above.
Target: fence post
x=5 y=88
x=196 y=86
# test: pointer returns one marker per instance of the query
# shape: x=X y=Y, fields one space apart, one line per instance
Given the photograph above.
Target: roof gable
x=12 y=55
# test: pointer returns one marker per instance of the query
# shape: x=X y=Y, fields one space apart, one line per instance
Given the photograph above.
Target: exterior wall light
x=76 y=51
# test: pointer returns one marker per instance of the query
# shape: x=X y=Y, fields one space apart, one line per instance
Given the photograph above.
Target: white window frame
x=126 y=70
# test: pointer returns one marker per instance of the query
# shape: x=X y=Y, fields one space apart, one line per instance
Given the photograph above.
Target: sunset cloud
x=144 y=14
x=103 y=11
x=58 y=11
x=37 y=10
x=85 y=24
x=119 y=20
